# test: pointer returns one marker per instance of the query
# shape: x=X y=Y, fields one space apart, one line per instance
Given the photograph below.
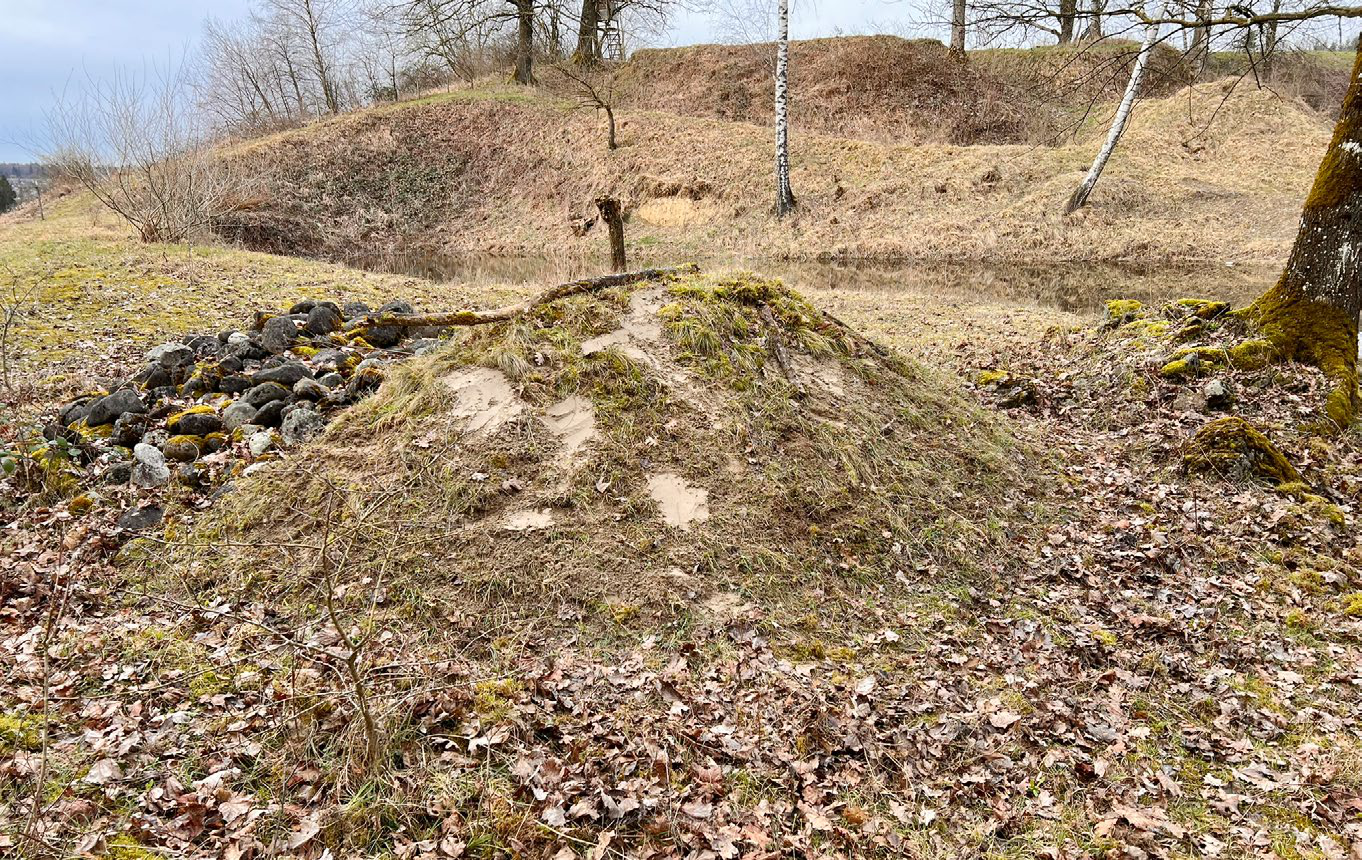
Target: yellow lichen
x=173 y=422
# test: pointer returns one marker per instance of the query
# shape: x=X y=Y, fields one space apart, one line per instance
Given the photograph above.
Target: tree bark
x=785 y=201
x=1068 y=14
x=1201 y=38
x=614 y=222
x=1118 y=123
x=587 y=51
x=524 y=45
x=958 y=29
x=610 y=128
x=1310 y=314
x=1093 y=32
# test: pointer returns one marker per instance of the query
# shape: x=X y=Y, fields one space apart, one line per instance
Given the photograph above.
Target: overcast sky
x=46 y=43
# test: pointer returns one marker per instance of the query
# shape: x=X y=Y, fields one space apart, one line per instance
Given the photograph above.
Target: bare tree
x=785 y=201
x=958 y=22
x=596 y=87
x=138 y=145
x=315 y=24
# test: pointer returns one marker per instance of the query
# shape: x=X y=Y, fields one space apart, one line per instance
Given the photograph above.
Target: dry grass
x=461 y=173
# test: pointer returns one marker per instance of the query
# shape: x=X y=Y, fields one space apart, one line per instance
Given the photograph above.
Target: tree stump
x=613 y=217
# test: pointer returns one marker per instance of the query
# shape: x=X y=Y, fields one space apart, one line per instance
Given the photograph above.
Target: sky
x=47 y=44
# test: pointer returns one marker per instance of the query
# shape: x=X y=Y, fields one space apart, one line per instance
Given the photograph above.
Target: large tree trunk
x=1201 y=38
x=958 y=29
x=587 y=51
x=1093 y=32
x=524 y=45
x=1118 y=123
x=613 y=216
x=1311 y=312
x=1068 y=14
x=785 y=201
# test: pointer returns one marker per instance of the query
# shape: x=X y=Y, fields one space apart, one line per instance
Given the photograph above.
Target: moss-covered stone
x=173 y=422
x=1122 y=311
x=1233 y=448
x=185 y=449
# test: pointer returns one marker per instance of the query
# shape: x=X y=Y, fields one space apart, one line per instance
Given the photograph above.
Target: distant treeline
x=15 y=170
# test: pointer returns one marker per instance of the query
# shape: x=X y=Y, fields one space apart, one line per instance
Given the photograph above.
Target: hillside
x=508 y=172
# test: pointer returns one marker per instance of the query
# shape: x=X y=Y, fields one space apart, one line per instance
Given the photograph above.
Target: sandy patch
x=528 y=521
x=826 y=375
x=573 y=421
x=676 y=212
x=639 y=330
x=483 y=398
x=681 y=504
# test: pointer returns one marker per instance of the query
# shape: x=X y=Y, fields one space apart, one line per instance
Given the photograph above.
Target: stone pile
x=252 y=391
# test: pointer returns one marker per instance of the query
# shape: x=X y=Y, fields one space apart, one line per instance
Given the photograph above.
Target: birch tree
x=785 y=201
x=1118 y=123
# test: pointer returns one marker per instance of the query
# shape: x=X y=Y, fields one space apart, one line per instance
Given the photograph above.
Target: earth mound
x=690 y=442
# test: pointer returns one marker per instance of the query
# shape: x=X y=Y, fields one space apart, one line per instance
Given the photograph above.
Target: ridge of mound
x=640 y=446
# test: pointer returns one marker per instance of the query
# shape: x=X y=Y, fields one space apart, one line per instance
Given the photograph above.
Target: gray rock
x=150 y=469
x=197 y=424
x=264 y=393
x=278 y=335
x=301 y=425
x=310 y=389
x=322 y=319
x=106 y=409
x=285 y=374
x=368 y=363
x=136 y=519
x=260 y=442
x=181 y=449
x=271 y=414
x=1218 y=394
x=230 y=364
x=171 y=355
x=329 y=359
x=235 y=384
x=244 y=346
x=156 y=437
x=331 y=380
x=76 y=410
x=153 y=376
x=237 y=415
x=118 y=473
x=129 y=429
x=204 y=345
x=423 y=346
x=397 y=306
x=383 y=336
x=303 y=307
x=354 y=310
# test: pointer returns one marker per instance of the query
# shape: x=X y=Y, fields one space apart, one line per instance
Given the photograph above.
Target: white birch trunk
x=1118 y=123
x=785 y=201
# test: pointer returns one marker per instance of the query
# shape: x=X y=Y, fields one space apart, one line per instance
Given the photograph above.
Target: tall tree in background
x=958 y=29
x=524 y=43
x=314 y=23
x=588 y=51
x=785 y=201
x=7 y=196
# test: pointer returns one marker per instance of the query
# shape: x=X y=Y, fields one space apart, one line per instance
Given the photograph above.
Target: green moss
x=20 y=731
x=1252 y=354
x=1352 y=605
x=173 y=422
x=991 y=377
x=1201 y=308
x=1232 y=447
x=1120 y=311
x=305 y=351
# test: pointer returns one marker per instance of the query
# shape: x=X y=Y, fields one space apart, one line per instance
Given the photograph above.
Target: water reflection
x=1073 y=287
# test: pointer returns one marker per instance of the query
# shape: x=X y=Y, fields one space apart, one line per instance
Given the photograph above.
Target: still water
x=1072 y=287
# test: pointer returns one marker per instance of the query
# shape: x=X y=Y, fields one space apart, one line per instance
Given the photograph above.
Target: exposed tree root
x=477 y=317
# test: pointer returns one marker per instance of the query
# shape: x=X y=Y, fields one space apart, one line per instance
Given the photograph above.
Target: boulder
x=285 y=374
x=396 y=306
x=383 y=336
x=322 y=319
x=301 y=425
x=354 y=310
x=271 y=414
x=330 y=359
x=237 y=414
x=264 y=393
x=204 y=345
x=260 y=442
x=1218 y=395
x=117 y=473
x=235 y=383
x=129 y=429
x=149 y=468
x=245 y=346
x=278 y=335
x=230 y=364
x=106 y=409
x=153 y=376
x=76 y=411
x=310 y=389
x=171 y=355
x=196 y=421
x=303 y=307
x=185 y=449
x=331 y=380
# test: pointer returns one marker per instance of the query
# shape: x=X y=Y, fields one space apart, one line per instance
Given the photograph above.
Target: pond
x=1080 y=288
